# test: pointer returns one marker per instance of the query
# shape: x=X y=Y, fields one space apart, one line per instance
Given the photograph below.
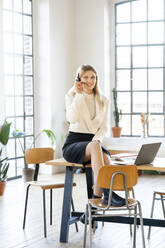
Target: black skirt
x=75 y=146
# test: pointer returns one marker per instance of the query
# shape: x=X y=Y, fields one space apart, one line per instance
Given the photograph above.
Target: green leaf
x=4 y=166
x=4 y=171
x=51 y=136
x=1 y=161
x=18 y=134
x=4 y=133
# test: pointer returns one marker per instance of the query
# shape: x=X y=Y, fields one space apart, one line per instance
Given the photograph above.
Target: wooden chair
x=36 y=156
x=160 y=196
x=114 y=178
x=131 y=189
x=114 y=152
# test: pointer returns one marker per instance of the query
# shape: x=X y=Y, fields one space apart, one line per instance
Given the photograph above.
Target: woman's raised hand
x=79 y=87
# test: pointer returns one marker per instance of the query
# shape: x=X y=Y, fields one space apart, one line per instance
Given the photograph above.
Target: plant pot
x=116 y=131
x=27 y=174
x=2 y=187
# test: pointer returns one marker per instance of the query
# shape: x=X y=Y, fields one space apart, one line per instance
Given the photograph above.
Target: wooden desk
x=68 y=217
x=157 y=165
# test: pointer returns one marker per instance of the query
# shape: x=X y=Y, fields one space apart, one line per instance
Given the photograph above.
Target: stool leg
x=162 y=201
x=44 y=213
x=74 y=211
x=152 y=211
x=26 y=201
x=51 y=206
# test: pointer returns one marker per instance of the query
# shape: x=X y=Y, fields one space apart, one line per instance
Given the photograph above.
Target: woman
x=87 y=113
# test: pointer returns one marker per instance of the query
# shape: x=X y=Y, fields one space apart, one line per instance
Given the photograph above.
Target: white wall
x=42 y=85
x=92 y=35
x=54 y=60
x=89 y=30
x=62 y=43
x=2 y=99
x=67 y=34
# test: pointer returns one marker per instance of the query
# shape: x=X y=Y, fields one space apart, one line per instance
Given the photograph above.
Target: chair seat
x=160 y=191
x=129 y=189
x=98 y=203
x=47 y=184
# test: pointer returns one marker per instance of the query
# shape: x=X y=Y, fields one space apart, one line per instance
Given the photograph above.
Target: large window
x=18 y=77
x=140 y=64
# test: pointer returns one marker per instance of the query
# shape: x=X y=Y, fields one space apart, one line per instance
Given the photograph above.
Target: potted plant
x=28 y=173
x=4 y=165
x=117 y=113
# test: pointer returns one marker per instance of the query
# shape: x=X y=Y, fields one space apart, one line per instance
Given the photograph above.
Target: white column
x=62 y=46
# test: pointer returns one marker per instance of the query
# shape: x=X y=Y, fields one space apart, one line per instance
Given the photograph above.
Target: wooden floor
x=111 y=235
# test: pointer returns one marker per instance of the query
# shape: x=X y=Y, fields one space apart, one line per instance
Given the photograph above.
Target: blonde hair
x=80 y=71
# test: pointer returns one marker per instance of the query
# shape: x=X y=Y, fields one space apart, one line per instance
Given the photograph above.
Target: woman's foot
x=117 y=201
x=82 y=217
x=96 y=196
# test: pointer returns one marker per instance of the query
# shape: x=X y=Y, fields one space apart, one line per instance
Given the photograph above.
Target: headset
x=78 y=78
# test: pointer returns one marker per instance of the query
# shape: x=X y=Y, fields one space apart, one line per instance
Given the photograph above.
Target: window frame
x=131 y=68
x=14 y=117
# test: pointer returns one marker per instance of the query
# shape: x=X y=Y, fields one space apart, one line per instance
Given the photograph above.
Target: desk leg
x=66 y=205
x=89 y=180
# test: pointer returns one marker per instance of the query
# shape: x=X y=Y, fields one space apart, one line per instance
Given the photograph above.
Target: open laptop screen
x=147 y=153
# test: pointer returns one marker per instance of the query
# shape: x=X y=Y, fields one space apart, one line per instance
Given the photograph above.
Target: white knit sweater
x=91 y=104
x=77 y=114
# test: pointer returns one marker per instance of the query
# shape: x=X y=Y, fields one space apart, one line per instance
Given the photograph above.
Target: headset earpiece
x=78 y=78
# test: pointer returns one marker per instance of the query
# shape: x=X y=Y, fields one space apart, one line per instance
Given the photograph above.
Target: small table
x=66 y=219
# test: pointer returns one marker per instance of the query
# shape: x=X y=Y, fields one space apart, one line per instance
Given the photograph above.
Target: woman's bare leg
x=94 y=153
x=107 y=159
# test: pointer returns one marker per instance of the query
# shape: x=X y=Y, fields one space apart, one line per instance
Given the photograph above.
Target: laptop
x=146 y=155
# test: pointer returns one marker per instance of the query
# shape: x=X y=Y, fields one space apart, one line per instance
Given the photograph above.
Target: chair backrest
x=38 y=155
x=106 y=172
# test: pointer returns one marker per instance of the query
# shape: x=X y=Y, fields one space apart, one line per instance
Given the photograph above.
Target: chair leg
x=25 y=209
x=141 y=223
x=44 y=213
x=73 y=208
x=51 y=195
x=103 y=221
x=130 y=226
x=85 y=227
x=162 y=201
x=133 y=193
x=135 y=223
x=151 y=216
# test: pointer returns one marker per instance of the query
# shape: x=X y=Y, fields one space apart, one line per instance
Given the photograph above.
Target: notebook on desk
x=146 y=155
